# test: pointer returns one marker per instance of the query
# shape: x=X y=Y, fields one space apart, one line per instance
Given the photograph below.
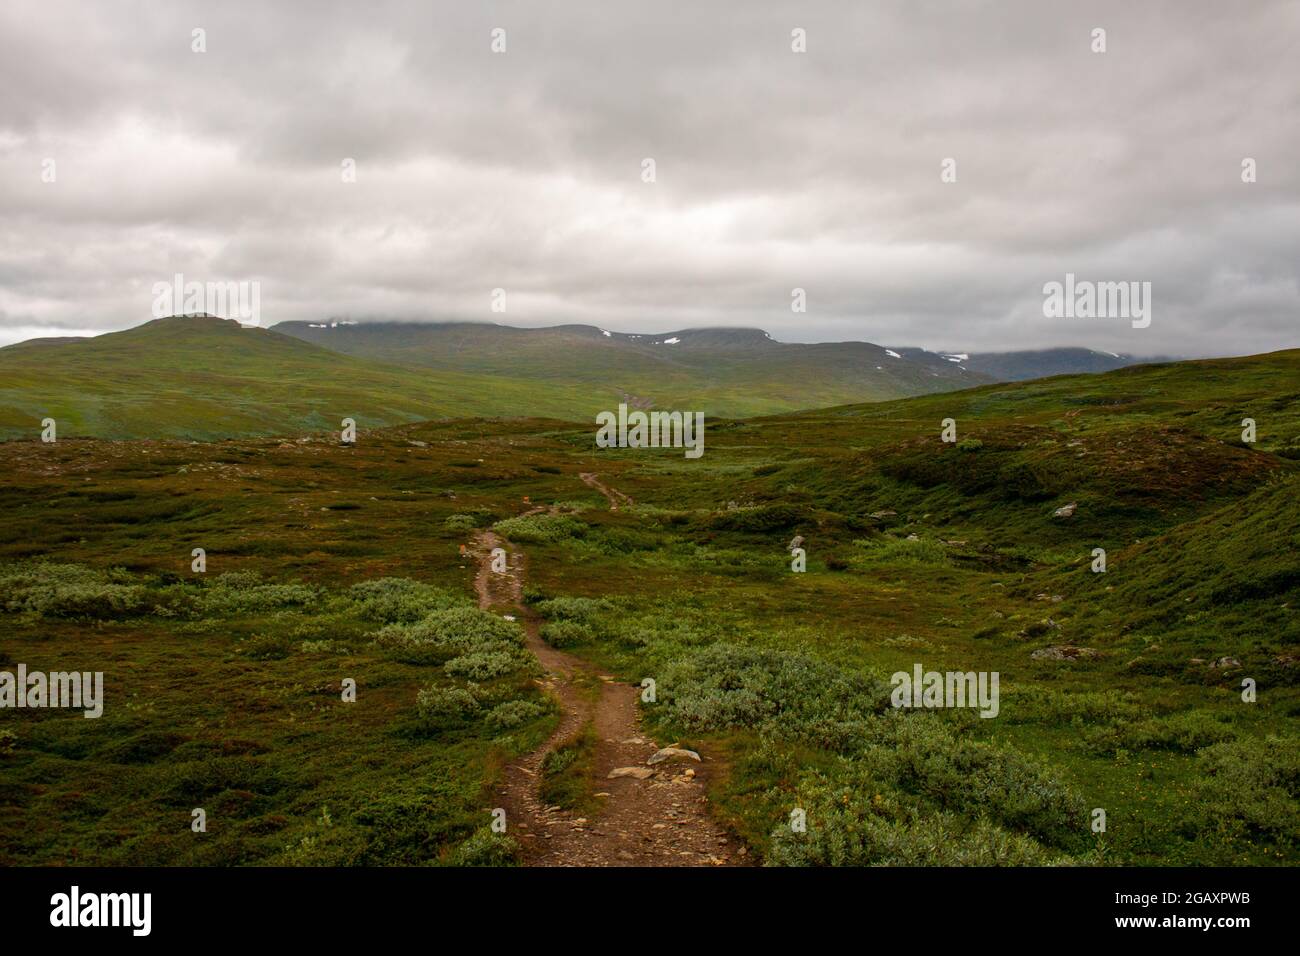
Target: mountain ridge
x=203 y=377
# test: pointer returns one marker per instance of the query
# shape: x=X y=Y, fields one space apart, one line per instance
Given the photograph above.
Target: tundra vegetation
x=1120 y=690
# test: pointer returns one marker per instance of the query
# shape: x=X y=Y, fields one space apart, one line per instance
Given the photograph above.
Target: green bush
x=760 y=520
x=244 y=592
x=924 y=756
x=1074 y=708
x=843 y=831
x=791 y=695
x=1187 y=733
x=584 y=610
x=460 y=522
x=541 y=528
x=447 y=705
x=486 y=848
x=1250 y=790
x=567 y=633
x=71 y=591
x=889 y=550
x=514 y=713
x=485 y=665
x=448 y=633
x=398 y=600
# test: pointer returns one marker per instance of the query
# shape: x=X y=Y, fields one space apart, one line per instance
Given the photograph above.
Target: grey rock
x=639 y=773
x=667 y=753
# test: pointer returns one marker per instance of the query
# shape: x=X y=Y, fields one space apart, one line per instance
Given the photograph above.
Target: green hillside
x=723 y=371
x=207 y=378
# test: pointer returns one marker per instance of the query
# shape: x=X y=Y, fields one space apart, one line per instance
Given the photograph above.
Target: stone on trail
x=668 y=753
x=640 y=773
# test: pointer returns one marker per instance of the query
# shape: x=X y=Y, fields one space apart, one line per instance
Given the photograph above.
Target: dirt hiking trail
x=658 y=816
x=612 y=495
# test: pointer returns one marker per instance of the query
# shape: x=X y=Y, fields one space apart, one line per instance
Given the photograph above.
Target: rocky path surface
x=650 y=815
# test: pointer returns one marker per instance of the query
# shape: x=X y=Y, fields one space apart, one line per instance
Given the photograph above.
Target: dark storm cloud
x=775 y=170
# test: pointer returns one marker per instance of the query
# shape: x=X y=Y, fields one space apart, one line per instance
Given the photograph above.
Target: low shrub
x=514 y=713
x=398 y=600
x=485 y=665
x=1187 y=733
x=486 y=848
x=1250 y=790
x=71 y=591
x=907 y=551
x=585 y=610
x=842 y=831
x=244 y=592
x=447 y=705
x=728 y=686
x=566 y=633
x=460 y=522
x=541 y=528
x=449 y=633
x=761 y=519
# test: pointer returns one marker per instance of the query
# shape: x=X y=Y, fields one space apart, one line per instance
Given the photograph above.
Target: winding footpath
x=613 y=496
x=658 y=817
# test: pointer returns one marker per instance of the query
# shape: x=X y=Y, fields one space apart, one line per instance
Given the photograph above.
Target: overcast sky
x=774 y=169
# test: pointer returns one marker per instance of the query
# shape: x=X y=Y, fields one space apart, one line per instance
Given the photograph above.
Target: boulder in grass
x=1066 y=511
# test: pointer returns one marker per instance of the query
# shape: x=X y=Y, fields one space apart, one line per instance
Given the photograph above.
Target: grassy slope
x=731 y=372
x=208 y=379
x=1200 y=533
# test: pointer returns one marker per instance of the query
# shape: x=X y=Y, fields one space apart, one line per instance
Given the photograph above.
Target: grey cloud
x=775 y=170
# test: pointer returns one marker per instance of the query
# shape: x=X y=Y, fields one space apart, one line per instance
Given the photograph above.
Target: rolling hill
x=1035 y=363
x=722 y=371
x=208 y=378
x=202 y=377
